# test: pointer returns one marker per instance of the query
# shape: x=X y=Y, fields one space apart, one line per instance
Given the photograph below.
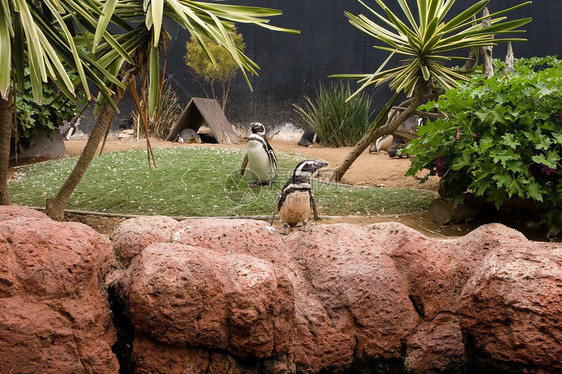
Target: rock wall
x=54 y=313
x=235 y=296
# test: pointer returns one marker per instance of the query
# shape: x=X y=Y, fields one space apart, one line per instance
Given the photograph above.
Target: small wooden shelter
x=199 y=111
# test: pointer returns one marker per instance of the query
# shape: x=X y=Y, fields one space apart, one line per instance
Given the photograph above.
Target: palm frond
x=429 y=40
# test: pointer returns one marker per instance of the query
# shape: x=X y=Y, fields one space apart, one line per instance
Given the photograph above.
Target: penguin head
x=258 y=128
x=307 y=167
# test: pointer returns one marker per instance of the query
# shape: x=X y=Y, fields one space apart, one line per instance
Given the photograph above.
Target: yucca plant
x=427 y=42
x=338 y=122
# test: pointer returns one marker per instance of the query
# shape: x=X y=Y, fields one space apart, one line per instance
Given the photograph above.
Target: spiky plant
x=336 y=121
x=426 y=43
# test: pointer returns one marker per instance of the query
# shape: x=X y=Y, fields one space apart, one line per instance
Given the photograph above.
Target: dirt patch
x=368 y=170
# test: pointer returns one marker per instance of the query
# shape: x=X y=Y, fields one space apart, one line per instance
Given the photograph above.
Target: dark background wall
x=292 y=66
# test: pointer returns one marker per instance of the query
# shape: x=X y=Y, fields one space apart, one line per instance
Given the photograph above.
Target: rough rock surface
x=353 y=302
x=135 y=234
x=511 y=308
x=54 y=316
x=339 y=297
x=235 y=296
x=436 y=346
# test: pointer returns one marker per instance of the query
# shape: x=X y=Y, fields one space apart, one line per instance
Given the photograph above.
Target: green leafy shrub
x=337 y=122
x=502 y=138
x=32 y=118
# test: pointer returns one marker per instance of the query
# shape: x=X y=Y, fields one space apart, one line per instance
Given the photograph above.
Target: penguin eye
x=308 y=166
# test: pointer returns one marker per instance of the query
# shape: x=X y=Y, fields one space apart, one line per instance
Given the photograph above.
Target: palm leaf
x=429 y=41
x=6 y=47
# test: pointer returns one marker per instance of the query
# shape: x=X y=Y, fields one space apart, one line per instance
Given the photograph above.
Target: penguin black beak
x=321 y=164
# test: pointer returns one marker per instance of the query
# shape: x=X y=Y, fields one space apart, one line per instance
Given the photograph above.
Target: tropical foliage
x=337 y=121
x=426 y=45
x=42 y=39
x=428 y=42
x=203 y=21
x=221 y=72
x=74 y=33
x=34 y=118
x=502 y=137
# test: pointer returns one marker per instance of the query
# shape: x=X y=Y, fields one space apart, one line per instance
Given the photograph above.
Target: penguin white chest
x=259 y=162
x=295 y=208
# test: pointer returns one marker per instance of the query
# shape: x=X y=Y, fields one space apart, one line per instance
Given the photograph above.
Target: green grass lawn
x=194 y=181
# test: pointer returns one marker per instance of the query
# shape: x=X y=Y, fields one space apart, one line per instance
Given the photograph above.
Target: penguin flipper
x=244 y=164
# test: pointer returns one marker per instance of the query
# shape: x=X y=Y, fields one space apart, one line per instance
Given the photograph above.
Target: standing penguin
x=260 y=158
x=296 y=197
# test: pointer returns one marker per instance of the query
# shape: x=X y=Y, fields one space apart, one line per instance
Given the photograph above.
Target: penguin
x=382 y=144
x=296 y=197
x=308 y=138
x=260 y=157
x=68 y=128
x=188 y=136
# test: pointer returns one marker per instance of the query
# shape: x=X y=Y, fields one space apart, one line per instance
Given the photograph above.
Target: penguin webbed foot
x=285 y=230
x=305 y=226
x=260 y=184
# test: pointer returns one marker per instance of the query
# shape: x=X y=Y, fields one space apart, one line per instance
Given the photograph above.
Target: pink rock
x=436 y=346
x=235 y=303
x=427 y=264
x=345 y=294
x=152 y=357
x=51 y=259
x=135 y=234
x=511 y=308
x=18 y=213
x=357 y=287
x=437 y=270
x=53 y=315
x=233 y=236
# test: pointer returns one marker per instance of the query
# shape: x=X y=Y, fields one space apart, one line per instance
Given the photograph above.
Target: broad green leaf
x=465 y=16
x=534 y=191
x=510 y=141
x=406 y=9
x=516 y=189
x=551 y=161
x=502 y=180
x=461 y=162
x=157 y=7
x=504 y=157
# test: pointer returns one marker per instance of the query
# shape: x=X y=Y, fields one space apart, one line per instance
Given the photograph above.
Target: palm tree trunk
x=55 y=207
x=388 y=128
x=5 y=136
